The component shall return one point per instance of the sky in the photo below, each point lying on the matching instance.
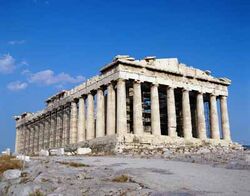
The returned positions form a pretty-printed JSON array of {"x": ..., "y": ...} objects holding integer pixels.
[{"x": 49, "y": 45}]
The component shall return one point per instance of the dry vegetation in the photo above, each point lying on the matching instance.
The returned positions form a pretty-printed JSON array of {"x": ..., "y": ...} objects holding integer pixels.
[
  {"x": 36, "y": 193},
  {"x": 121, "y": 178},
  {"x": 73, "y": 164},
  {"x": 9, "y": 162}
]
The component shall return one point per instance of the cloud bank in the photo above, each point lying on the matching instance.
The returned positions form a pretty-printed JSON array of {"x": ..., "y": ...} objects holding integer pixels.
[
  {"x": 7, "y": 64},
  {"x": 16, "y": 42},
  {"x": 17, "y": 86},
  {"x": 48, "y": 77}
]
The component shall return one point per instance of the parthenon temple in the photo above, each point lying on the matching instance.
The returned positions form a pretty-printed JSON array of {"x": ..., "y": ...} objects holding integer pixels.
[{"x": 149, "y": 97}]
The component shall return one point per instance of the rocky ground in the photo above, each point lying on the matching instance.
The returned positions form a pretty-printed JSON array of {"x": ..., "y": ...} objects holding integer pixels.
[{"x": 145, "y": 173}]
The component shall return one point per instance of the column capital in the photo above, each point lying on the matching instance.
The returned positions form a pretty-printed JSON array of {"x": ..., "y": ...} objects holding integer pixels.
[
  {"x": 138, "y": 81},
  {"x": 154, "y": 84},
  {"x": 121, "y": 80},
  {"x": 200, "y": 92},
  {"x": 213, "y": 95},
  {"x": 223, "y": 97},
  {"x": 171, "y": 87},
  {"x": 185, "y": 89}
]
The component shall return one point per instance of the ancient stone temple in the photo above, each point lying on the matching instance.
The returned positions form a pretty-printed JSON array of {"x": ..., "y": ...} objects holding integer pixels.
[{"x": 153, "y": 100}]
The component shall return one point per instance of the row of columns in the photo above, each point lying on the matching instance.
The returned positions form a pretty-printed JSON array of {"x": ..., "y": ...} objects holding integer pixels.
[{"x": 83, "y": 125}]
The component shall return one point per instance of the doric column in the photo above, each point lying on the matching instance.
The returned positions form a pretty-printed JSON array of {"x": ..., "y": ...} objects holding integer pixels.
[
  {"x": 28, "y": 139},
  {"x": 25, "y": 139},
  {"x": 33, "y": 139},
  {"x": 110, "y": 110},
  {"x": 214, "y": 122},
  {"x": 155, "y": 110},
  {"x": 121, "y": 107},
  {"x": 47, "y": 135},
  {"x": 90, "y": 117},
  {"x": 73, "y": 122},
  {"x": 225, "y": 119},
  {"x": 17, "y": 139},
  {"x": 100, "y": 120},
  {"x": 81, "y": 121},
  {"x": 43, "y": 134},
  {"x": 52, "y": 130},
  {"x": 201, "y": 123},
  {"x": 137, "y": 109},
  {"x": 171, "y": 112},
  {"x": 187, "y": 124},
  {"x": 66, "y": 126},
  {"x": 37, "y": 131},
  {"x": 59, "y": 133}
]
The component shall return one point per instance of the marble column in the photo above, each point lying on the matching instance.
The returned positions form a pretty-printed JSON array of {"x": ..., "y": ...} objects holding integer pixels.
[
  {"x": 121, "y": 107},
  {"x": 59, "y": 128},
  {"x": 186, "y": 111},
  {"x": 155, "y": 110},
  {"x": 33, "y": 139},
  {"x": 25, "y": 140},
  {"x": 110, "y": 110},
  {"x": 225, "y": 119},
  {"x": 29, "y": 138},
  {"x": 17, "y": 139},
  {"x": 43, "y": 134},
  {"x": 66, "y": 125},
  {"x": 100, "y": 120},
  {"x": 81, "y": 121},
  {"x": 73, "y": 122},
  {"x": 37, "y": 132},
  {"x": 47, "y": 135},
  {"x": 137, "y": 109},
  {"x": 90, "y": 134},
  {"x": 201, "y": 123},
  {"x": 51, "y": 135},
  {"x": 171, "y": 112},
  {"x": 214, "y": 122}
]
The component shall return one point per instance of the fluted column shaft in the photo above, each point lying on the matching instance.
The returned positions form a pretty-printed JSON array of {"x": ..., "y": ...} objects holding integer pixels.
[
  {"x": 137, "y": 109},
  {"x": 81, "y": 121},
  {"x": 43, "y": 135},
  {"x": 155, "y": 110},
  {"x": 48, "y": 131},
  {"x": 187, "y": 124},
  {"x": 33, "y": 139},
  {"x": 73, "y": 123},
  {"x": 28, "y": 142},
  {"x": 225, "y": 119},
  {"x": 110, "y": 110},
  {"x": 59, "y": 128},
  {"x": 171, "y": 112},
  {"x": 37, "y": 137},
  {"x": 52, "y": 131},
  {"x": 17, "y": 142},
  {"x": 90, "y": 117},
  {"x": 66, "y": 126},
  {"x": 201, "y": 123},
  {"x": 100, "y": 120},
  {"x": 121, "y": 107},
  {"x": 25, "y": 139},
  {"x": 214, "y": 122}
]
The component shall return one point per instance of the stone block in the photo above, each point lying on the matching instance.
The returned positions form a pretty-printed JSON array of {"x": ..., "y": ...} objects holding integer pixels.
[
  {"x": 56, "y": 152},
  {"x": 23, "y": 158},
  {"x": 12, "y": 174},
  {"x": 44, "y": 153},
  {"x": 82, "y": 151}
]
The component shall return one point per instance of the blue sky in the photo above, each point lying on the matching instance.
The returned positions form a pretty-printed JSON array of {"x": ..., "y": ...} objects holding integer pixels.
[{"x": 49, "y": 45}]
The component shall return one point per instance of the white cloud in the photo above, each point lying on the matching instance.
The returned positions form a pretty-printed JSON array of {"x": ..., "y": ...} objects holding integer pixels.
[
  {"x": 17, "y": 86},
  {"x": 48, "y": 77},
  {"x": 16, "y": 42},
  {"x": 7, "y": 64}
]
